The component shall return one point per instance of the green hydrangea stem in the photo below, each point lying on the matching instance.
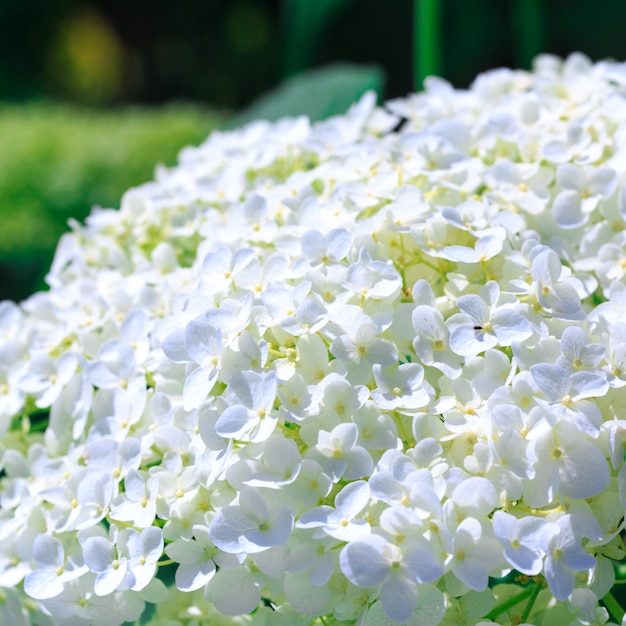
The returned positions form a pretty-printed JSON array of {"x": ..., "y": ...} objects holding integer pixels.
[
  {"x": 426, "y": 40},
  {"x": 614, "y": 607},
  {"x": 531, "y": 601},
  {"x": 529, "y": 30},
  {"x": 511, "y": 602}
]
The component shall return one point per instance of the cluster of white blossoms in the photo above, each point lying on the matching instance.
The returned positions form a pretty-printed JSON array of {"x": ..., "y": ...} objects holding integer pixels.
[{"x": 365, "y": 371}]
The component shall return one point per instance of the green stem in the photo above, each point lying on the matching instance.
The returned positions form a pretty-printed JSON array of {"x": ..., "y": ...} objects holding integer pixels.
[
  {"x": 614, "y": 607},
  {"x": 511, "y": 602},
  {"x": 531, "y": 601},
  {"x": 426, "y": 40},
  {"x": 404, "y": 435},
  {"x": 529, "y": 30}
]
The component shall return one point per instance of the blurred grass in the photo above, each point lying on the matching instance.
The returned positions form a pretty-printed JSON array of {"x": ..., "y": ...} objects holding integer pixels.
[{"x": 59, "y": 160}]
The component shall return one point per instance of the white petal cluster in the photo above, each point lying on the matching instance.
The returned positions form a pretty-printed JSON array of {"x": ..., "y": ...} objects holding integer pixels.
[{"x": 348, "y": 370}]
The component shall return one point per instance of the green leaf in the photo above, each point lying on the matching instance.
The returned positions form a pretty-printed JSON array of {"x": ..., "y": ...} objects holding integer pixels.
[
  {"x": 318, "y": 94},
  {"x": 613, "y": 552},
  {"x": 603, "y": 576},
  {"x": 303, "y": 596},
  {"x": 304, "y": 22},
  {"x": 454, "y": 586},
  {"x": 155, "y": 592},
  {"x": 477, "y": 604},
  {"x": 431, "y": 606}
]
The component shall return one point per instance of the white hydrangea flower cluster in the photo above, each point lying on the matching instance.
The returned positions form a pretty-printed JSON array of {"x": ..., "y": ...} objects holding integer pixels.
[{"x": 335, "y": 373}]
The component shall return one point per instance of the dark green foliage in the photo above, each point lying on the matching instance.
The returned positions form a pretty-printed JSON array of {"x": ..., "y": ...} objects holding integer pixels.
[{"x": 304, "y": 24}]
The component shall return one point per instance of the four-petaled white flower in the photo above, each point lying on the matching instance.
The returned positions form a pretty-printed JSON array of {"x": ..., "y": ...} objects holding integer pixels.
[
  {"x": 250, "y": 526},
  {"x": 339, "y": 522},
  {"x": 374, "y": 561}
]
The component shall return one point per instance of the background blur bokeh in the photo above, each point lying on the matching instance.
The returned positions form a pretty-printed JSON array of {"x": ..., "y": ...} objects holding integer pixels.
[{"x": 95, "y": 93}]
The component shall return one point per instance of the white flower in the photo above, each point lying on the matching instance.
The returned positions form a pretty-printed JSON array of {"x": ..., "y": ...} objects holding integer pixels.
[
  {"x": 339, "y": 522},
  {"x": 557, "y": 296},
  {"x": 48, "y": 580},
  {"x": 138, "y": 502},
  {"x": 339, "y": 454},
  {"x": 101, "y": 557},
  {"x": 583, "y": 188},
  {"x": 201, "y": 343},
  {"x": 196, "y": 559},
  {"x": 523, "y": 540},
  {"x": 404, "y": 389},
  {"x": 222, "y": 268},
  {"x": 126, "y": 562},
  {"x": 585, "y": 604},
  {"x": 567, "y": 395},
  {"x": 319, "y": 249},
  {"x": 252, "y": 416},
  {"x": 279, "y": 464},
  {"x": 431, "y": 343},
  {"x": 475, "y": 554},
  {"x": 355, "y": 370},
  {"x": 11, "y": 609},
  {"x": 566, "y": 462},
  {"x": 482, "y": 325},
  {"x": 564, "y": 556},
  {"x": 318, "y": 561},
  {"x": 360, "y": 349},
  {"x": 578, "y": 351},
  {"x": 78, "y": 604},
  {"x": 250, "y": 526},
  {"x": 47, "y": 379},
  {"x": 235, "y": 591},
  {"x": 372, "y": 279},
  {"x": 310, "y": 316},
  {"x": 373, "y": 561},
  {"x": 116, "y": 366}
]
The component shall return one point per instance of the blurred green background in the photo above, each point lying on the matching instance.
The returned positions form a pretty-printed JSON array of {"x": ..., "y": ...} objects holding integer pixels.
[{"x": 93, "y": 94}]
